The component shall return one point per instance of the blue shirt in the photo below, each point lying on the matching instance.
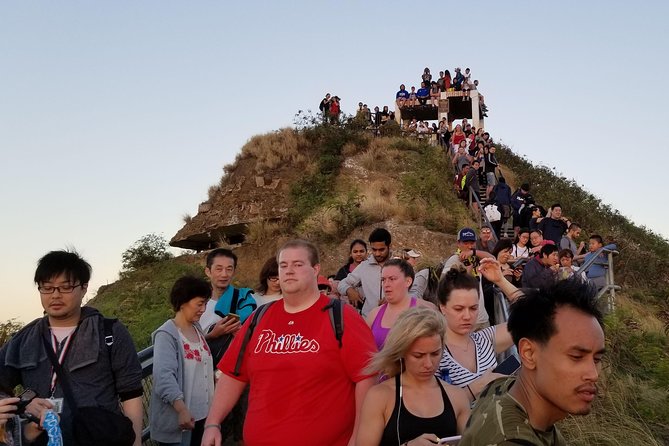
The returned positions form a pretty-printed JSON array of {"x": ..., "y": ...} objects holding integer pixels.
[
  {"x": 402, "y": 94},
  {"x": 423, "y": 93},
  {"x": 598, "y": 268}
]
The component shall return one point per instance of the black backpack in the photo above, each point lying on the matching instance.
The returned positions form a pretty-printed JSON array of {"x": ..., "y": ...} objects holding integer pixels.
[
  {"x": 335, "y": 308},
  {"x": 218, "y": 346}
]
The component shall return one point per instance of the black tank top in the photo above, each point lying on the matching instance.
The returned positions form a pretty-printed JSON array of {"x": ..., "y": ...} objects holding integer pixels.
[{"x": 411, "y": 426}]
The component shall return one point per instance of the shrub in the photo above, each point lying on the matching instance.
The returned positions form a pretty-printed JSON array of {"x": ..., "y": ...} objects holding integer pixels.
[
  {"x": 150, "y": 249},
  {"x": 8, "y": 329}
]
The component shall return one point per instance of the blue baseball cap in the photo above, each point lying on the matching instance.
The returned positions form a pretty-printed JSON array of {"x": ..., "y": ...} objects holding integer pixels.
[{"x": 466, "y": 235}]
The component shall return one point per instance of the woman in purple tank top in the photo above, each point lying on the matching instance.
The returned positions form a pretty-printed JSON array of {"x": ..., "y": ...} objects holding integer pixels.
[{"x": 396, "y": 278}]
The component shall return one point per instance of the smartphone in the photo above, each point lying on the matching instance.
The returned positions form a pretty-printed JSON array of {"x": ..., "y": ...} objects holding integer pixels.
[
  {"x": 519, "y": 263},
  {"x": 231, "y": 315},
  {"x": 25, "y": 398},
  {"x": 450, "y": 441},
  {"x": 508, "y": 366}
]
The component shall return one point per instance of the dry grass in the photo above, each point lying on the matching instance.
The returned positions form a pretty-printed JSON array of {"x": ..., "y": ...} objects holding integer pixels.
[
  {"x": 379, "y": 201},
  {"x": 613, "y": 420},
  {"x": 261, "y": 232},
  {"x": 187, "y": 218},
  {"x": 321, "y": 225},
  {"x": 380, "y": 157},
  {"x": 282, "y": 147},
  {"x": 633, "y": 405},
  {"x": 213, "y": 191}
]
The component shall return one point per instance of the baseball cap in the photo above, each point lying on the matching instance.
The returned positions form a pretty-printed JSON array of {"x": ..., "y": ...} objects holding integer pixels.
[
  {"x": 413, "y": 253},
  {"x": 466, "y": 235},
  {"x": 323, "y": 282}
]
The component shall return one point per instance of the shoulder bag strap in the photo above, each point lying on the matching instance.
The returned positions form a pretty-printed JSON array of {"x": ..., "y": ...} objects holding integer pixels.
[
  {"x": 247, "y": 336},
  {"x": 62, "y": 375}
]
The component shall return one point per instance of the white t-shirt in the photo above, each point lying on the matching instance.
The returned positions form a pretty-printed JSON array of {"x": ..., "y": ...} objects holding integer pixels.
[{"x": 209, "y": 318}]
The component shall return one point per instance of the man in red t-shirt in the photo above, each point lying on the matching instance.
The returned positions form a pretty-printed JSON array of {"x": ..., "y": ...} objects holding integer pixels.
[{"x": 305, "y": 388}]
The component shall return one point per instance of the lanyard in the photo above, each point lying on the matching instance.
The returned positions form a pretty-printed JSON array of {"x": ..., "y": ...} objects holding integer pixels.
[{"x": 62, "y": 346}]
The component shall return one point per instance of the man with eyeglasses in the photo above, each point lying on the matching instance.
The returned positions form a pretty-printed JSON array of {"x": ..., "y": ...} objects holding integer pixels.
[{"x": 97, "y": 354}]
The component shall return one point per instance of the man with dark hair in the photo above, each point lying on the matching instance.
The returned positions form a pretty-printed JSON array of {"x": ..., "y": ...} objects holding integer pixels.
[
  {"x": 542, "y": 270},
  {"x": 368, "y": 273},
  {"x": 218, "y": 323},
  {"x": 554, "y": 225},
  {"x": 472, "y": 181},
  {"x": 519, "y": 200},
  {"x": 299, "y": 374},
  {"x": 423, "y": 94},
  {"x": 568, "y": 241},
  {"x": 324, "y": 106},
  {"x": 221, "y": 266},
  {"x": 97, "y": 355},
  {"x": 560, "y": 340}
]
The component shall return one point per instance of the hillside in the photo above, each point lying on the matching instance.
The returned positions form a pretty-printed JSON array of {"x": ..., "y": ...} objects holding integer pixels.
[{"x": 332, "y": 184}]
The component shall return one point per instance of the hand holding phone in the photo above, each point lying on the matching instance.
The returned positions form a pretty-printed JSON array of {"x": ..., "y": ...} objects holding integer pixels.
[{"x": 450, "y": 441}]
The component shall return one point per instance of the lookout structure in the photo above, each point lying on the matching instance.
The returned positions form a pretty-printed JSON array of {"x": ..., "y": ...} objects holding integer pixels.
[{"x": 452, "y": 106}]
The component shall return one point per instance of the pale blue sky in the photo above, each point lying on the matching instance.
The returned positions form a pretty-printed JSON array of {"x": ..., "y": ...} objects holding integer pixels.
[{"x": 116, "y": 117}]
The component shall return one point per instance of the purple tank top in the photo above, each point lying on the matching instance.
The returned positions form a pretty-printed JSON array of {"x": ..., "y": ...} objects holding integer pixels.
[{"x": 380, "y": 333}]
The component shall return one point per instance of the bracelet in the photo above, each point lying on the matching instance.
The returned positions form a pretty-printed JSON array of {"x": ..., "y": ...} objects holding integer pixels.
[{"x": 217, "y": 426}]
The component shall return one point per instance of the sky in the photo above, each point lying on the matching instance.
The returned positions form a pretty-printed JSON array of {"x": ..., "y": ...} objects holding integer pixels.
[{"x": 116, "y": 117}]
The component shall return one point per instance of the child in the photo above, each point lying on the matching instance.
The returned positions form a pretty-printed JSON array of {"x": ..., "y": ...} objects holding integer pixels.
[{"x": 596, "y": 273}]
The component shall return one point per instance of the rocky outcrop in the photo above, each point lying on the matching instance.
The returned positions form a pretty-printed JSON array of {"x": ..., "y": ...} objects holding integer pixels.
[{"x": 243, "y": 197}]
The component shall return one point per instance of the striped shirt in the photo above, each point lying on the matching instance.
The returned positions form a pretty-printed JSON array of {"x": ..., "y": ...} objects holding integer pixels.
[{"x": 453, "y": 373}]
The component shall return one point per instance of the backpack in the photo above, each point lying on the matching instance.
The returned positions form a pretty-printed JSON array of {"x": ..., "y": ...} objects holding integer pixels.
[
  {"x": 218, "y": 346},
  {"x": 335, "y": 309}
]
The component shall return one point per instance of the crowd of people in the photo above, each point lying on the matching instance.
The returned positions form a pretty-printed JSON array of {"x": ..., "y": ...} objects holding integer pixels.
[
  {"x": 430, "y": 90},
  {"x": 401, "y": 353},
  {"x": 404, "y": 353}
]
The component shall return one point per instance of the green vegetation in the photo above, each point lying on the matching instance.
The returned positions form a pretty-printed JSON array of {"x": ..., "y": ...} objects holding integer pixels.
[
  {"x": 314, "y": 189},
  {"x": 644, "y": 259},
  {"x": 633, "y": 406},
  {"x": 409, "y": 181},
  {"x": 426, "y": 188},
  {"x": 140, "y": 298},
  {"x": 8, "y": 329},
  {"x": 150, "y": 249}
]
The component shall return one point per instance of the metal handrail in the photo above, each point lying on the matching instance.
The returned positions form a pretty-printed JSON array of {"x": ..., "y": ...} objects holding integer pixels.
[
  {"x": 610, "y": 286},
  {"x": 145, "y": 357},
  {"x": 483, "y": 214},
  {"x": 501, "y": 317}
]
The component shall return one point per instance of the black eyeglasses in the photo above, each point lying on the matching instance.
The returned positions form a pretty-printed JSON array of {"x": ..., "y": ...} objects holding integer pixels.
[{"x": 63, "y": 289}]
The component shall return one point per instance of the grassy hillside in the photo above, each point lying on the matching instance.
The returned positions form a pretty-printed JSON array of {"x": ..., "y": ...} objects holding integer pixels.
[
  {"x": 349, "y": 182},
  {"x": 141, "y": 300}
]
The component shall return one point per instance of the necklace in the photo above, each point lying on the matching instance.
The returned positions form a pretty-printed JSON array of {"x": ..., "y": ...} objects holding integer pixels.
[{"x": 464, "y": 349}]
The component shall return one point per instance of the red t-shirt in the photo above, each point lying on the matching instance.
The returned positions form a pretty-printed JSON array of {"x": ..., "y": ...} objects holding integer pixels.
[{"x": 302, "y": 384}]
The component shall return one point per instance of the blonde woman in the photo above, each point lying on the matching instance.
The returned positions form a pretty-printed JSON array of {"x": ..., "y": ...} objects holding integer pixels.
[{"x": 412, "y": 407}]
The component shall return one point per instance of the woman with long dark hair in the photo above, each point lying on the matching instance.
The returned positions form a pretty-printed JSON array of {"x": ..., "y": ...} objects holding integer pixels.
[{"x": 469, "y": 356}]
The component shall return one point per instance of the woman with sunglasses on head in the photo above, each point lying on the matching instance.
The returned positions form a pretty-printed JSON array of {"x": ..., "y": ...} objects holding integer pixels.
[
  {"x": 269, "y": 289},
  {"x": 469, "y": 356},
  {"x": 412, "y": 407}
]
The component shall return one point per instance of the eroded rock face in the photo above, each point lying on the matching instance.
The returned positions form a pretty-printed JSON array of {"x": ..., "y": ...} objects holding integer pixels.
[{"x": 242, "y": 198}]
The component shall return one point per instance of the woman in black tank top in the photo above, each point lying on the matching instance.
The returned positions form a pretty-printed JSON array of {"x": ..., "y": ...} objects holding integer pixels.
[{"x": 413, "y": 407}]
